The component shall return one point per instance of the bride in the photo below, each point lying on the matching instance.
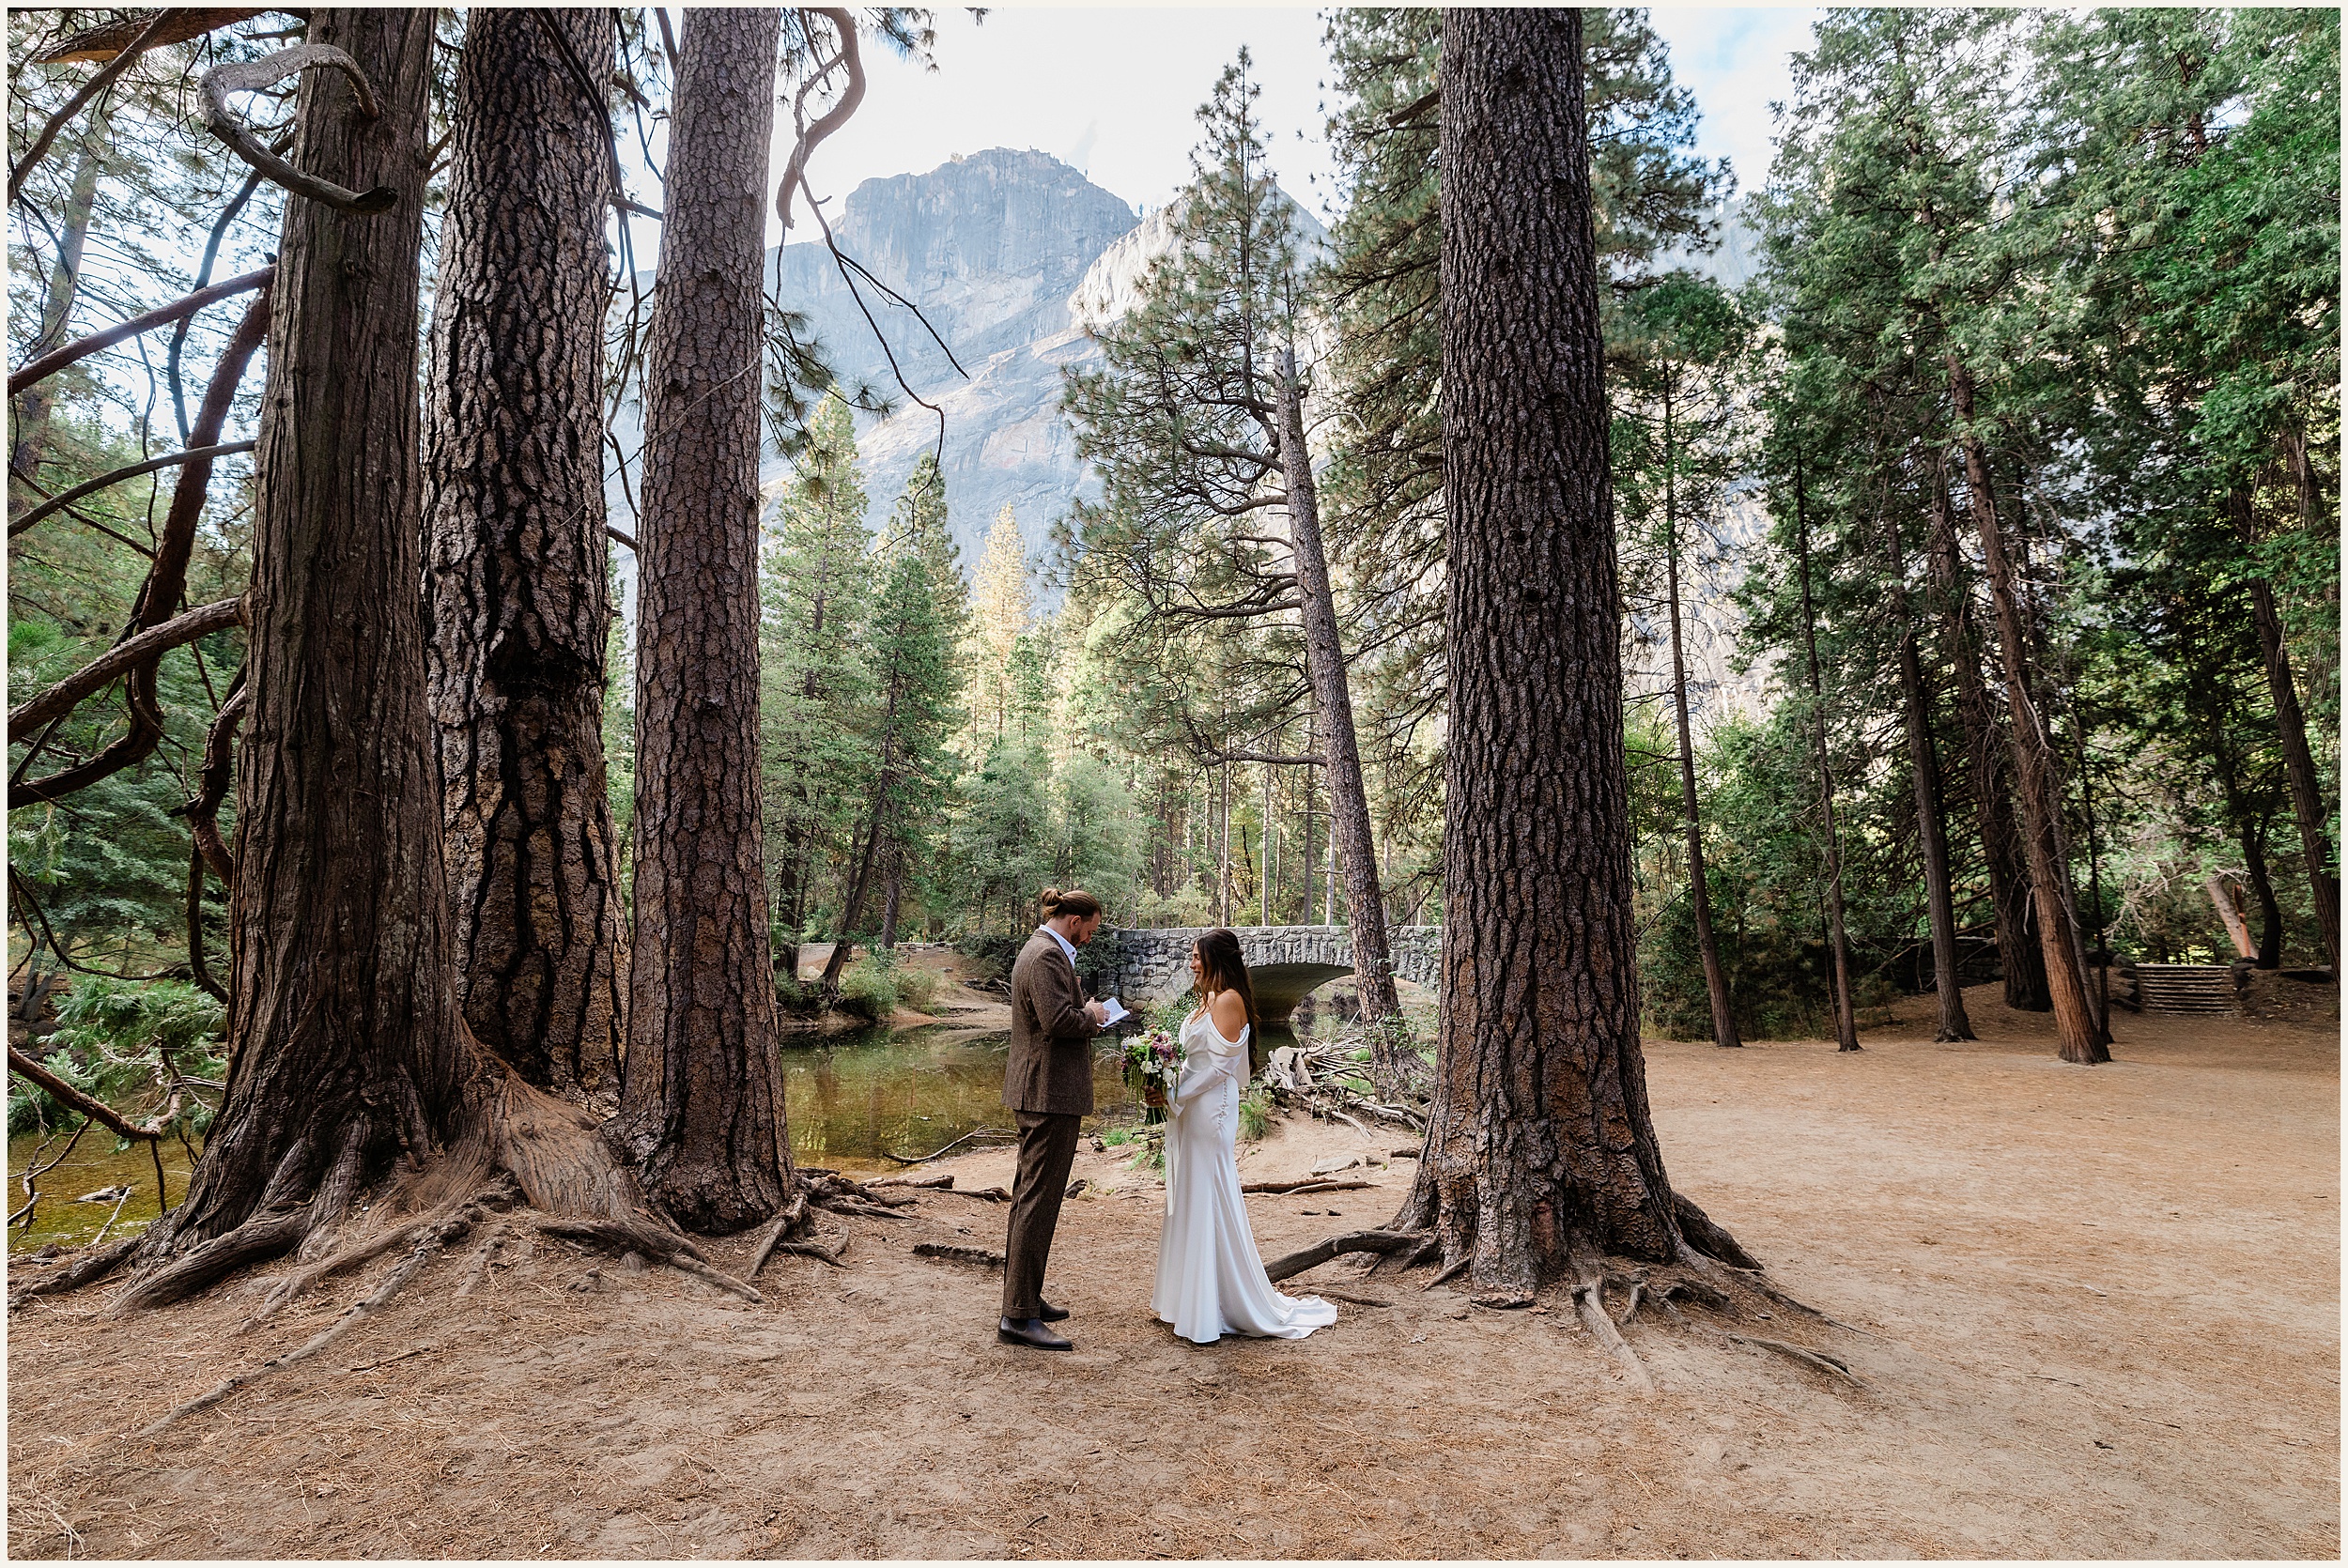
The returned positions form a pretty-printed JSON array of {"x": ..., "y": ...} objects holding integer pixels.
[{"x": 1211, "y": 1279}]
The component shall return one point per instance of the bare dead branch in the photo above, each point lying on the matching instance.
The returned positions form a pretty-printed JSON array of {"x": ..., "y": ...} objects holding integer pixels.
[
  {"x": 103, "y": 482},
  {"x": 162, "y": 316},
  {"x": 251, "y": 76},
  {"x": 1353, "y": 1241},
  {"x": 812, "y": 136},
  {"x": 60, "y": 699},
  {"x": 203, "y": 812},
  {"x": 97, "y": 84},
  {"x": 178, "y": 24},
  {"x": 66, "y": 1094}
]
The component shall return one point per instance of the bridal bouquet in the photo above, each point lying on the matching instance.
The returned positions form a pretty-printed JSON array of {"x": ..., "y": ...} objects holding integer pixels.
[{"x": 1153, "y": 1061}]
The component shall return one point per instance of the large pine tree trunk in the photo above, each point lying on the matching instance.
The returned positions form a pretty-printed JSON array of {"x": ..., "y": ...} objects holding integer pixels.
[
  {"x": 701, "y": 1091},
  {"x": 1391, "y": 1058},
  {"x": 1838, "y": 943},
  {"x": 1699, "y": 889},
  {"x": 518, "y": 608},
  {"x": 1924, "y": 764},
  {"x": 1540, "y": 1150},
  {"x": 346, "y": 1047},
  {"x": 1988, "y": 768},
  {"x": 2075, "y": 1024}
]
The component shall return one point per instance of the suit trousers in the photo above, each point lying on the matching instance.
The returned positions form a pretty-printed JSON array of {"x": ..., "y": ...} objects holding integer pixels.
[{"x": 1047, "y": 1150}]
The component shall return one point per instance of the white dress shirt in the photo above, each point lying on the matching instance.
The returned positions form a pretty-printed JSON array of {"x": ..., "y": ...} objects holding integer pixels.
[{"x": 1065, "y": 945}]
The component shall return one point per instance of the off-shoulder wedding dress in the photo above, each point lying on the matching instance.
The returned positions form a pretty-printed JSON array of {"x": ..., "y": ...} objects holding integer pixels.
[{"x": 1211, "y": 1279}]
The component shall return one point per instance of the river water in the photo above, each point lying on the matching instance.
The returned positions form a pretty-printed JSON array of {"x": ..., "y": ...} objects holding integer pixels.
[{"x": 854, "y": 1100}]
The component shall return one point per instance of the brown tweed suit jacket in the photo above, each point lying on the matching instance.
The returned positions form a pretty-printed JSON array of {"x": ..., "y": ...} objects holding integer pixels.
[{"x": 1050, "y": 1070}]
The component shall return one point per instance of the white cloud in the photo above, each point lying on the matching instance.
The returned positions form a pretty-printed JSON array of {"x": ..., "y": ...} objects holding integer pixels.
[
  {"x": 1115, "y": 87},
  {"x": 1736, "y": 60}
]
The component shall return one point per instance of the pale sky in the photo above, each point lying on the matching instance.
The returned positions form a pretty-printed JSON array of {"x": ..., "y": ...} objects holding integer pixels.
[{"x": 1113, "y": 91}]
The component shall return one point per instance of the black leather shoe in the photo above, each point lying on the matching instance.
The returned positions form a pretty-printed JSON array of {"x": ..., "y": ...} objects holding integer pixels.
[
  {"x": 1054, "y": 1315},
  {"x": 1031, "y": 1332}
]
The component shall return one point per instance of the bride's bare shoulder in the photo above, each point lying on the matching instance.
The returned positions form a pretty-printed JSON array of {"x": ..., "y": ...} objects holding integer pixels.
[{"x": 1230, "y": 1014}]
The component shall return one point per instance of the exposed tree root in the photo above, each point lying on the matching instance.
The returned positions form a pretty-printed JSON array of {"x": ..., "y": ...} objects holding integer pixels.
[
  {"x": 93, "y": 1264},
  {"x": 806, "y": 1248},
  {"x": 981, "y": 1255},
  {"x": 271, "y": 1233},
  {"x": 1832, "y": 1365},
  {"x": 1451, "y": 1270},
  {"x": 1589, "y": 1295},
  {"x": 793, "y": 1217},
  {"x": 426, "y": 1251},
  {"x": 830, "y": 1190},
  {"x": 621, "y": 1237},
  {"x": 477, "y": 1266},
  {"x": 501, "y": 1194},
  {"x": 1760, "y": 1285},
  {"x": 1699, "y": 1231}
]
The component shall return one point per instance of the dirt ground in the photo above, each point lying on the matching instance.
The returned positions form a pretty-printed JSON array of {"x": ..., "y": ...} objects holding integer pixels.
[{"x": 2101, "y": 1311}]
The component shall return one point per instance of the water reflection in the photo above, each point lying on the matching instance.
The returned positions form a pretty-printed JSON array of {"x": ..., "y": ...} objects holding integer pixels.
[
  {"x": 94, "y": 1166},
  {"x": 857, "y": 1099},
  {"x": 853, "y": 1101}
]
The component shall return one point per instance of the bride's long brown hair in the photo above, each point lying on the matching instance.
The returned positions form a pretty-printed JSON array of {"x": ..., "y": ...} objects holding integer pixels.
[{"x": 1223, "y": 968}]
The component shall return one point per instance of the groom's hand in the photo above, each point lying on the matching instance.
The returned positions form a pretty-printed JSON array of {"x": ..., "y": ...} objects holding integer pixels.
[{"x": 1099, "y": 1014}]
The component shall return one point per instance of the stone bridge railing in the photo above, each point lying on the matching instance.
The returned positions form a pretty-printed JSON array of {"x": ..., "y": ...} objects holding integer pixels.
[{"x": 1284, "y": 962}]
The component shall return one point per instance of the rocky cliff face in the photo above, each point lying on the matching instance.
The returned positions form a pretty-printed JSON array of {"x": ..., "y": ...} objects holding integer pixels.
[
  {"x": 990, "y": 247},
  {"x": 1011, "y": 257}
]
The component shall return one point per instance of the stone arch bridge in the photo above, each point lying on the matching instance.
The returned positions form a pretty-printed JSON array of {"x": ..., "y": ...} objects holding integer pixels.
[{"x": 1285, "y": 964}]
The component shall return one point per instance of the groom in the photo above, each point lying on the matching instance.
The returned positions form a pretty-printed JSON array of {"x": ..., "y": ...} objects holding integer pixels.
[{"x": 1049, "y": 1081}]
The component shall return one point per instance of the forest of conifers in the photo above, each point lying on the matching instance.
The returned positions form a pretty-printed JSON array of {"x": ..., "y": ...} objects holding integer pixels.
[
  {"x": 1978, "y": 552},
  {"x": 2065, "y": 285}
]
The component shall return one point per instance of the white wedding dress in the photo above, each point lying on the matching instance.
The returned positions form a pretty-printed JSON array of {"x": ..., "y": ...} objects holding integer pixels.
[{"x": 1211, "y": 1279}]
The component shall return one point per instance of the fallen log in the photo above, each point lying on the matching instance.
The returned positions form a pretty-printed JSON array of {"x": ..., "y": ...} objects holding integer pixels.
[
  {"x": 980, "y": 1256},
  {"x": 1386, "y": 1241}
]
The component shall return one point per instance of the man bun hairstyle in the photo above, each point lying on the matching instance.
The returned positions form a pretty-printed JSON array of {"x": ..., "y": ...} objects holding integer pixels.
[{"x": 1076, "y": 902}]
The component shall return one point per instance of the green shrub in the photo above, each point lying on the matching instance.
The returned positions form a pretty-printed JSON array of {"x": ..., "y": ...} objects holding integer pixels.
[
  {"x": 991, "y": 954},
  {"x": 1255, "y": 1113},
  {"x": 109, "y": 1043},
  {"x": 878, "y": 987}
]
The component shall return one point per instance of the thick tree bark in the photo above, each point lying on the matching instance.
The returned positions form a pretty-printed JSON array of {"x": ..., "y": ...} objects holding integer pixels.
[
  {"x": 1989, "y": 768},
  {"x": 346, "y": 1047},
  {"x": 702, "y": 1095},
  {"x": 1540, "y": 1148},
  {"x": 2033, "y": 762},
  {"x": 2290, "y": 728},
  {"x": 1845, "y": 1015},
  {"x": 1924, "y": 764},
  {"x": 1699, "y": 890},
  {"x": 516, "y": 602},
  {"x": 1391, "y": 1059}
]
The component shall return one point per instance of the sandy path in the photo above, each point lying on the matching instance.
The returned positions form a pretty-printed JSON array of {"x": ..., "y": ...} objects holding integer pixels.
[{"x": 2106, "y": 1302}]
